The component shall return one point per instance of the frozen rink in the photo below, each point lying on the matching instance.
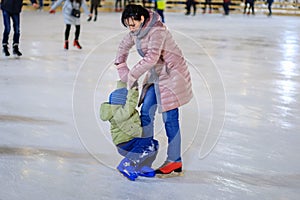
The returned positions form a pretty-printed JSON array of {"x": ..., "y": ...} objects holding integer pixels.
[{"x": 240, "y": 133}]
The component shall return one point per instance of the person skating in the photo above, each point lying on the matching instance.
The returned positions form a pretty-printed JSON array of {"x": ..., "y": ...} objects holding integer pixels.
[
  {"x": 69, "y": 19},
  {"x": 11, "y": 10},
  {"x": 94, "y": 9}
]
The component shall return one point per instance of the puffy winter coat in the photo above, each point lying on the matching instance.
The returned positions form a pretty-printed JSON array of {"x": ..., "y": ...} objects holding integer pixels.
[
  {"x": 162, "y": 60},
  {"x": 125, "y": 120},
  {"x": 67, "y": 9}
]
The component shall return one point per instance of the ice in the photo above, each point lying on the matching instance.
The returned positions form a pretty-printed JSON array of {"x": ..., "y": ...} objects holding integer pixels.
[{"x": 240, "y": 133}]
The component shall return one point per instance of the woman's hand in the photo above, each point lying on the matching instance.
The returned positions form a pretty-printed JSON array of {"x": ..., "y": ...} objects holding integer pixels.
[{"x": 123, "y": 71}]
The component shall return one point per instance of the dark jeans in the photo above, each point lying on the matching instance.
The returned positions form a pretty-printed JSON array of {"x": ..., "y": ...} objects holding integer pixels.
[
  {"x": 16, "y": 24},
  {"x": 142, "y": 151}
]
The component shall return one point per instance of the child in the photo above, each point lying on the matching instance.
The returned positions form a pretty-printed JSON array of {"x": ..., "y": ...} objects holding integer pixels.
[
  {"x": 69, "y": 19},
  {"x": 126, "y": 132}
]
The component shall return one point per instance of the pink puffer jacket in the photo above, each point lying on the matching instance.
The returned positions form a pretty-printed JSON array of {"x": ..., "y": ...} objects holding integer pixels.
[{"x": 162, "y": 60}]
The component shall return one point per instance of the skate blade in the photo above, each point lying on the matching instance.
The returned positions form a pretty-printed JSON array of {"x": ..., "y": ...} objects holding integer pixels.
[{"x": 170, "y": 175}]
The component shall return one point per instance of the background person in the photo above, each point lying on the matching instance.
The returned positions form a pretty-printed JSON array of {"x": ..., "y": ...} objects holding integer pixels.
[
  {"x": 71, "y": 20},
  {"x": 11, "y": 10}
]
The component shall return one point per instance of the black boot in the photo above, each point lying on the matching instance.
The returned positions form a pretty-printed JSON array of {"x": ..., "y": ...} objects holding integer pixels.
[
  {"x": 16, "y": 50},
  {"x": 95, "y": 18},
  {"x": 89, "y": 19},
  {"x": 5, "y": 50}
]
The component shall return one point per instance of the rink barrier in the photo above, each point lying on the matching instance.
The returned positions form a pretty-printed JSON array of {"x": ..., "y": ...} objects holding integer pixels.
[{"x": 279, "y": 7}]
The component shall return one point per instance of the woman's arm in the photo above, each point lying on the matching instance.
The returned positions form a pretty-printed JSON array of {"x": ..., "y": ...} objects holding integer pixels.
[
  {"x": 123, "y": 51},
  {"x": 151, "y": 57}
]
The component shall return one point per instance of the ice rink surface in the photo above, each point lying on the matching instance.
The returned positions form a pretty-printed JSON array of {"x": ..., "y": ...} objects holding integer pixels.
[{"x": 240, "y": 133}]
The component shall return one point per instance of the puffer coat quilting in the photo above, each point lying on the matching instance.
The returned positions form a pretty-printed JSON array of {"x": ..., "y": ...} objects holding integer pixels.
[{"x": 160, "y": 52}]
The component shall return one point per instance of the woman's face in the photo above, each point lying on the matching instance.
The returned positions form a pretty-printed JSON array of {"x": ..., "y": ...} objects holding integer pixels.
[{"x": 134, "y": 25}]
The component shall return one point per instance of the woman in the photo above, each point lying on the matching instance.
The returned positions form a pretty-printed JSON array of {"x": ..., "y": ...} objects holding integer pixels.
[
  {"x": 69, "y": 19},
  {"x": 167, "y": 84}
]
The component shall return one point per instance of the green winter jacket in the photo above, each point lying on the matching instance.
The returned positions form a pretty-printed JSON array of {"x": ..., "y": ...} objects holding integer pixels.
[{"x": 125, "y": 120}]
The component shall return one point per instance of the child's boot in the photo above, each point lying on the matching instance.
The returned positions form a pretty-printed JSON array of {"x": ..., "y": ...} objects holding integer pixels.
[
  {"x": 126, "y": 167},
  {"x": 66, "y": 45},
  {"x": 76, "y": 44},
  {"x": 16, "y": 50},
  {"x": 5, "y": 50},
  {"x": 95, "y": 18},
  {"x": 89, "y": 18},
  {"x": 146, "y": 171}
]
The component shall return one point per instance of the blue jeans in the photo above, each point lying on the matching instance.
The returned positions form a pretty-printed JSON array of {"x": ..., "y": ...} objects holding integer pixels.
[
  {"x": 16, "y": 25},
  {"x": 170, "y": 119}
]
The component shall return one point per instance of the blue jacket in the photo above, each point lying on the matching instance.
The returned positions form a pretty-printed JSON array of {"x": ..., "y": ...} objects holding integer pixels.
[{"x": 13, "y": 6}]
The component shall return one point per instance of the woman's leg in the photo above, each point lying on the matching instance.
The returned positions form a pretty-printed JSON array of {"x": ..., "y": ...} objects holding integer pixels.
[
  {"x": 67, "y": 31},
  {"x": 148, "y": 110},
  {"x": 171, "y": 120},
  {"x": 77, "y": 32}
]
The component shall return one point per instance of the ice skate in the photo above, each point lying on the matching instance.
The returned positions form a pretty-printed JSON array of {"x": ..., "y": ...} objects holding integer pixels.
[
  {"x": 76, "y": 44},
  {"x": 146, "y": 171},
  {"x": 16, "y": 50},
  {"x": 169, "y": 169},
  {"x": 127, "y": 169},
  {"x": 5, "y": 50}
]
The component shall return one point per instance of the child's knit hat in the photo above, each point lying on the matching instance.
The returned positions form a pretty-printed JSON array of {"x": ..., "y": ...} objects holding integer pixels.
[{"x": 118, "y": 96}]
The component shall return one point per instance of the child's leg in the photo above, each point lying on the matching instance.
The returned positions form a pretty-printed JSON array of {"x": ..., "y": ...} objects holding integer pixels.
[{"x": 152, "y": 153}]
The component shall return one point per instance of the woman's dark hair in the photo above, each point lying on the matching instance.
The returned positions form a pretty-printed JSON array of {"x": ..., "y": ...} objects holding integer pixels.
[{"x": 135, "y": 12}]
